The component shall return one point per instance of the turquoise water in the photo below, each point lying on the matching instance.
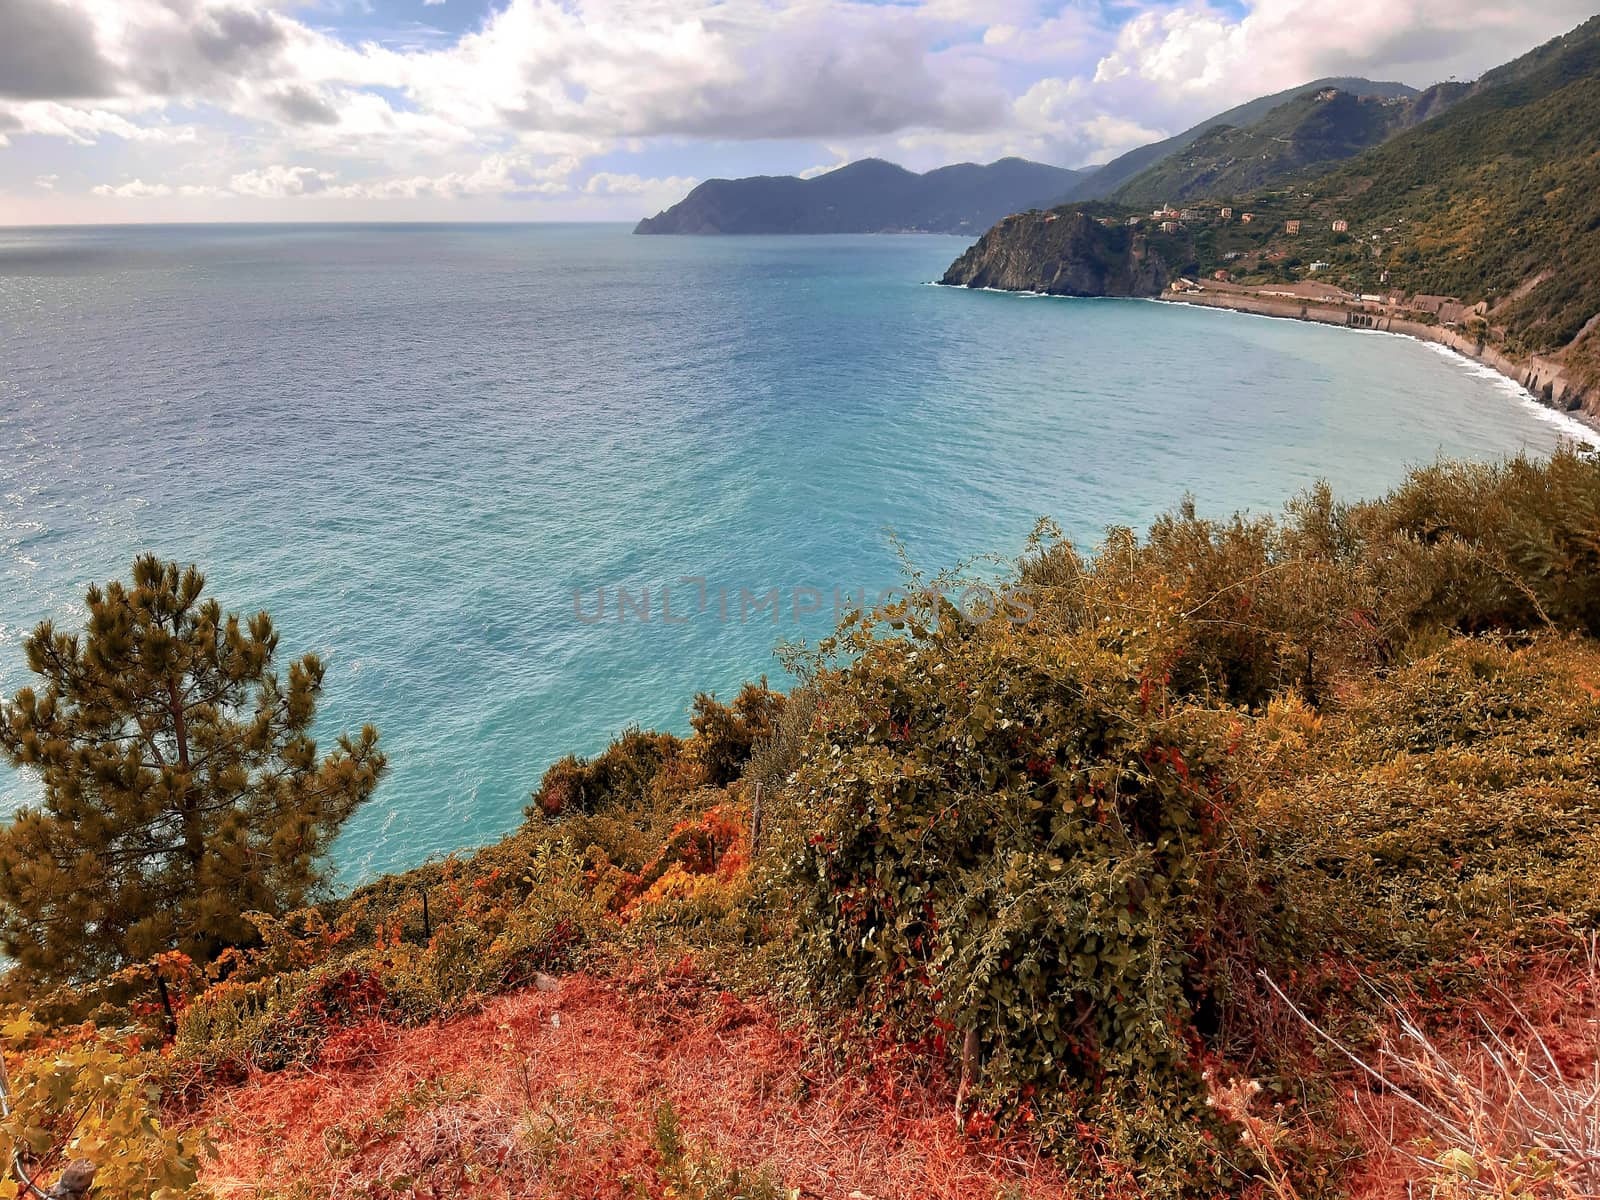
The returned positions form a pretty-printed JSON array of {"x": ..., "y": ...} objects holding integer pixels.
[{"x": 413, "y": 444}]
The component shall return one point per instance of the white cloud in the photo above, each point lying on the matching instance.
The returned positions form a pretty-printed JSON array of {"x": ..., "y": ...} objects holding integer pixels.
[
  {"x": 518, "y": 104},
  {"x": 278, "y": 181},
  {"x": 1064, "y": 120},
  {"x": 46, "y": 182},
  {"x": 823, "y": 168},
  {"x": 138, "y": 189},
  {"x": 1193, "y": 51},
  {"x": 134, "y": 189},
  {"x": 86, "y": 126},
  {"x": 494, "y": 175},
  {"x": 609, "y": 184},
  {"x": 607, "y": 68}
]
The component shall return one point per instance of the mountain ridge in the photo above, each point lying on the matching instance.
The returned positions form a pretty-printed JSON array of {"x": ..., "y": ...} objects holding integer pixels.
[
  {"x": 1307, "y": 134},
  {"x": 872, "y": 195},
  {"x": 1125, "y": 167},
  {"x": 869, "y": 195}
]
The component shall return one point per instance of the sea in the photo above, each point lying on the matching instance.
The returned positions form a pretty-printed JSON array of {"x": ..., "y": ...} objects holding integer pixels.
[{"x": 525, "y": 485}]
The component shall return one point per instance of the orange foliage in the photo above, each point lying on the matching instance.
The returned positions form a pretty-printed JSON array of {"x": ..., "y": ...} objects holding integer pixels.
[{"x": 701, "y": 851}]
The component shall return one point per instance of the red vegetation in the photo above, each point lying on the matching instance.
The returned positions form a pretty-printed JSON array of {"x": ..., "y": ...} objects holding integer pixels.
[
  {"x": 1546, "y": 1018},
  {"x": 708, "y": 847},
  {"x": 555, "y": 1094}
]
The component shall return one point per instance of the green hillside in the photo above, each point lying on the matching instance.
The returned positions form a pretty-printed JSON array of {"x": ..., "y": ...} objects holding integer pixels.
[
  {"x": 1492, "y": 200},
  {"x": 1310, "y": 132},
  {"x": 1496, "y": 199},
  {"x": 1293, "y": 135},
  {"x": 1119, "y": 171}
]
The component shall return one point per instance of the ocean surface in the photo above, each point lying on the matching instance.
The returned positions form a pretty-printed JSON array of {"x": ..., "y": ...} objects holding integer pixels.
[{"x": 414, "y": 445}]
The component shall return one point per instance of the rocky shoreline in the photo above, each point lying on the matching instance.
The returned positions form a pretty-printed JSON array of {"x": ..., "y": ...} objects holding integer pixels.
[
  {"x": 1547, "y": 382},
  {"x": 1067, "y": 252}
]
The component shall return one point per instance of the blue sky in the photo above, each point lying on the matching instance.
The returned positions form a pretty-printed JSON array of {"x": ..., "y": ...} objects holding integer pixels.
[{"x": 160, "y": 110}]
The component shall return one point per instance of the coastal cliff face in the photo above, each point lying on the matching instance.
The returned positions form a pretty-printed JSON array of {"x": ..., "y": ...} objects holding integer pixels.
[{"x": 1071, "y": 254}]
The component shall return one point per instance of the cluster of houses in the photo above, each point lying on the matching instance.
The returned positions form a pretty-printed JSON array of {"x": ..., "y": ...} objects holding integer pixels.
[
  {"x": 1339, "y": 226},
  {"x": 1167, "y": 219},
  {"x": 1171, "y": 220},
  {"x": 1388, "y": 304},
  {"x": 1294, "y": 227}
]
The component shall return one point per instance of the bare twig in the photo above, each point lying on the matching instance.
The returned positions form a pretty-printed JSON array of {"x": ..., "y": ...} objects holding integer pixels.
[{"x": 1502, "y": 1118}]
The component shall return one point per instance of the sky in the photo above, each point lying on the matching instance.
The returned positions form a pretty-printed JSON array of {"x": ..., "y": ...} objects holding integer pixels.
[{"x": 372, "y": 110}]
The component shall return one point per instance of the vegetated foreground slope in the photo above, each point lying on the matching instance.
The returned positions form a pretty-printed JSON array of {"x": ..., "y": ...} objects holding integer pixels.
[
  {"x": 607, "y": 1088},
  {"x": 980, "y": 889}
]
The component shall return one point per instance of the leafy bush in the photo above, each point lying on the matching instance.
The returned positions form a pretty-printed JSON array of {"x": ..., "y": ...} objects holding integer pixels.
[
  {"x": 619, "y": 775},
  {"x": 1020, "y": 843},
  {"x": 775, "y": 757},
  {"x": 1472, "y": 547},
  {"x": 725, "y": 734},
  {"x": 1245, "y": 609},
  {"x": 88, "y": 1100},
  {"x": 278, "y": 1022},
  {"x": 643, "y": 765},
  {"x": 1449, "y": 813}
]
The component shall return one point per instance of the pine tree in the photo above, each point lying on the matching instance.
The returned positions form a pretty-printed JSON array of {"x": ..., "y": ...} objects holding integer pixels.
[{"x": 181, "y": 787}]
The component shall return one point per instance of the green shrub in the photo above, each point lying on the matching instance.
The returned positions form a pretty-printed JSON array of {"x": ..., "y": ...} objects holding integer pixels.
[
  {"x": 273, "y": 1023},
  {"x": 1021, "y": 836},
  {"x": 1508, "y": 546},
  {"x": 1449, "y": 815},
  {"x": 774, "y": 758},
  {"x": 725, "y": 734},
  {"x": 644, "y": 765},
  {"x": 620, "y": 775}
]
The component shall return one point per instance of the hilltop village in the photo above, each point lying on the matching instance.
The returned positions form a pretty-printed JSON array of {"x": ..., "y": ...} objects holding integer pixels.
[
  {"x": 1316, "y": 269},
  {"x": 1300, "y": 262}
]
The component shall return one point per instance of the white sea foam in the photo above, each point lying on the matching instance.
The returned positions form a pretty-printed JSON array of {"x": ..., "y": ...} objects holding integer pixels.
[
  {"x": 1578, "y": 431},
  {"x": 1026, "y": 295}
]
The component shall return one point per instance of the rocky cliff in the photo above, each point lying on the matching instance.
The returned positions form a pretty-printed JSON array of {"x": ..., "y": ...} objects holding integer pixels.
[{"x": 1069, "y": 253}]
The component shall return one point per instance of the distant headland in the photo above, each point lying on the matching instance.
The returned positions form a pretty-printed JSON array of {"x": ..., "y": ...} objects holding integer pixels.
[
  {"x": 868, "y": 196},
  {"x": 1470, "y": 222}
]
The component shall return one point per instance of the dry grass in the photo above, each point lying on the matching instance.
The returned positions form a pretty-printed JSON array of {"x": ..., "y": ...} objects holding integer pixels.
[
  {"x": 1504, "y": 1105},
  {"x": 556, "y": 1094}
]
